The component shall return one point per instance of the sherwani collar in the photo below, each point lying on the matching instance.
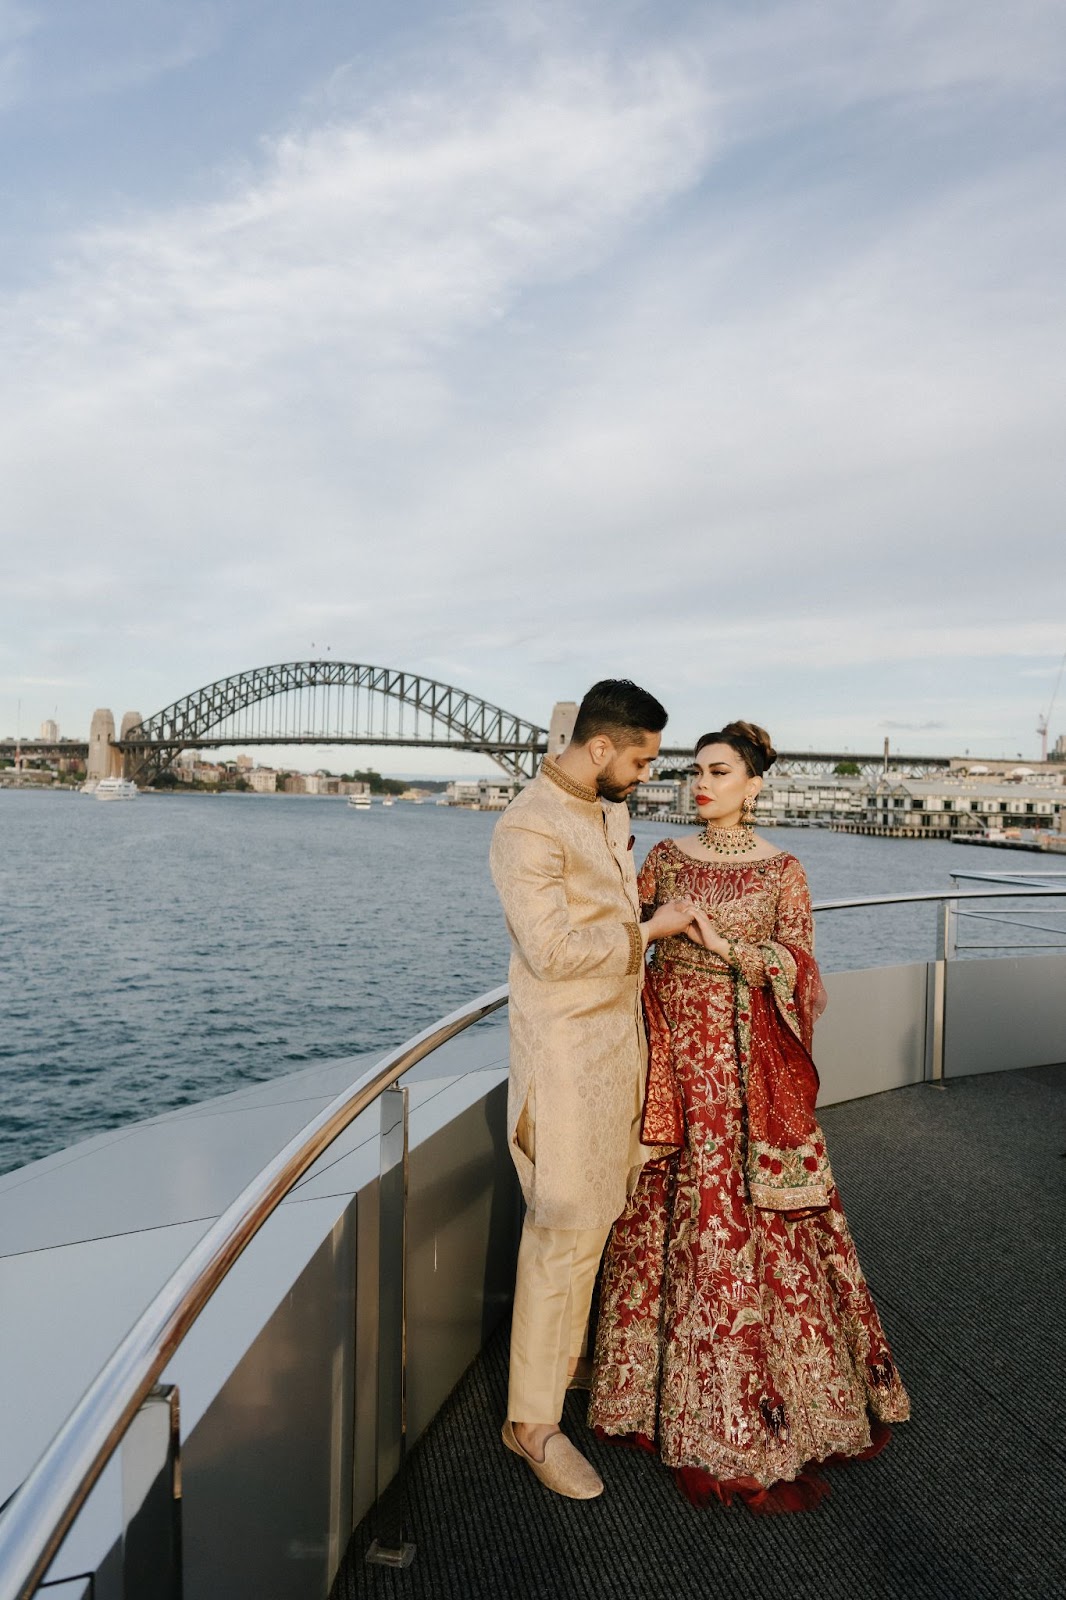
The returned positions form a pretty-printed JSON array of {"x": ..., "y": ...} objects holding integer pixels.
[{"x": 580, "y": 791}]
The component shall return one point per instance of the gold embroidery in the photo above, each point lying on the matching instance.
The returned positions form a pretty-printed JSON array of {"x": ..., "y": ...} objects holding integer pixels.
[
  {"x": 579, "y": 791},
  {"x": 636, "y": 948}
]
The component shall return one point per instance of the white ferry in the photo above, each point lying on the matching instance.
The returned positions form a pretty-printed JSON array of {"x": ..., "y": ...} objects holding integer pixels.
[
  {"x": 361, "y": 802},
  {"x": 116, "y": 789}
]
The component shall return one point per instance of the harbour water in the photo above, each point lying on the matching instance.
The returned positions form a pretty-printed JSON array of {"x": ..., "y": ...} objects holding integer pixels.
[{"x": 156, "y": 954}]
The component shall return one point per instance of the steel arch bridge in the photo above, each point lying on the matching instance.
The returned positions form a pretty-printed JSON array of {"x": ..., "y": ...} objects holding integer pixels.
[{"x": 331, "y": 702}]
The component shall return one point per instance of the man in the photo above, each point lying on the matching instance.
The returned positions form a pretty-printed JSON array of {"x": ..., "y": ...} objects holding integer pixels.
[{"x": 562, "y": 864}]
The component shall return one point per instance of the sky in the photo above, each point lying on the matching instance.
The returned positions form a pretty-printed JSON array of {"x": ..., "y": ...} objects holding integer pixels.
[{"x": 720, "y": 346}]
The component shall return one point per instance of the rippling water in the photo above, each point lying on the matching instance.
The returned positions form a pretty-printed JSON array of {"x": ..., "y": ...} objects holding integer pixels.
[{"x": 156, "y": 953}]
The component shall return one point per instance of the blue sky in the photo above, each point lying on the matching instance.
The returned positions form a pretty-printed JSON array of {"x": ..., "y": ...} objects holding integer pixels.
[{"x": 716, "y": 345}]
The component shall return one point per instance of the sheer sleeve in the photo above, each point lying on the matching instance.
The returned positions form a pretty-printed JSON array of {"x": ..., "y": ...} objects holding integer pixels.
[
  {"x": 795, "y": 923},
  {"x": 793, "y": 929}
]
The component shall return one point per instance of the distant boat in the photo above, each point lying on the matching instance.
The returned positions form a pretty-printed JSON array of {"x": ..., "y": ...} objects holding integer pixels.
[
  {"x": 361, "y": 802},
  {"x": 387, "y": 800},
  {"x": 116, "y": 789}
]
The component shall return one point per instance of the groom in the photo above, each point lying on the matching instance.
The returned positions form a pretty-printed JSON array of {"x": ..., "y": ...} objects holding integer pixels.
[{"x": 563, "y": 867}]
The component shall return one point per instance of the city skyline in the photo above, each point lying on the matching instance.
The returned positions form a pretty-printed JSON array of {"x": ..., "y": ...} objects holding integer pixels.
[{"x": 518, "y": 345}]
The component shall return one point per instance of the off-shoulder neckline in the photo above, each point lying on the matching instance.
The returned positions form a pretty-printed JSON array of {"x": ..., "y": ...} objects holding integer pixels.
[{"x": 744, "y": 861}]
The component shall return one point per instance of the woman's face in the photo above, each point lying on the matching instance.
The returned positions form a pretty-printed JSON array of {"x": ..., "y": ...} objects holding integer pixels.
[{"x": 720, "y": 782}]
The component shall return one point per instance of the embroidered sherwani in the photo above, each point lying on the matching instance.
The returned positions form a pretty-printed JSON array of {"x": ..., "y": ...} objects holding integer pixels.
[
  {"x": 562, "y": 864},
  {"x": 564, "y": 871}
]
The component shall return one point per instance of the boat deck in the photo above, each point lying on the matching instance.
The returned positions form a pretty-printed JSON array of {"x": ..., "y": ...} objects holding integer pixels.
[{"x": 956, "y": 1198}]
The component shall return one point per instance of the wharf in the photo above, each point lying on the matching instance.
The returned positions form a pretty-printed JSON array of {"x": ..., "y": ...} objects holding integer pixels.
[
  {"x": 956, "y": 1198},
  {"x": 1044, "y": 845},
  {"x": 871, "y": 830}
]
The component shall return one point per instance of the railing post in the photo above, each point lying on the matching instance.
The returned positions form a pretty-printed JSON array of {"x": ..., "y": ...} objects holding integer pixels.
[
  {"x": 392, "y": 1548},
  {"x": 946, "y": 949},
  {"x": 151, "y": 1499}
]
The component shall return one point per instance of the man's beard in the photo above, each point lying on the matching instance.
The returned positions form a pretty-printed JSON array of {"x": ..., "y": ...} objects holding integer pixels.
[{"x": 609, "y": 788}]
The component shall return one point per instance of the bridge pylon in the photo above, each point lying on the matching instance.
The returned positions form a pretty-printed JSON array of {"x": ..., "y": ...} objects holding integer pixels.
[{"x": 103, "y": 760}]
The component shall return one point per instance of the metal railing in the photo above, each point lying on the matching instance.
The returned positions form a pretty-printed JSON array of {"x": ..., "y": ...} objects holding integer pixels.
[
  {"x": 38, "y": 1516},
  {"x": 947, "y": 943},
  {"x": 40, "y": 1513},
  {"x": 1024, "y": 879}
]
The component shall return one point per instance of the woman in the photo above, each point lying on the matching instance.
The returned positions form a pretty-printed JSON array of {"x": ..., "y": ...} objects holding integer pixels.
[{"x": 736, "y": 1334}]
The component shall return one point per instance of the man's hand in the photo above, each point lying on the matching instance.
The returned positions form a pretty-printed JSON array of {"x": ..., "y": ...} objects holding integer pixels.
[{"x": 672, "y": 917}]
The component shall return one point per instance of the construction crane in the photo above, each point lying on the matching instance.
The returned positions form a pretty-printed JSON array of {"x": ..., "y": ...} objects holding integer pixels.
[{"x": 1044, "y": 722}]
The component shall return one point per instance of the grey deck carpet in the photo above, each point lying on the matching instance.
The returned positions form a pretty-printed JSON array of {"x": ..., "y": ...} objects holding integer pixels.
[{"x": 956, "y": 1199}]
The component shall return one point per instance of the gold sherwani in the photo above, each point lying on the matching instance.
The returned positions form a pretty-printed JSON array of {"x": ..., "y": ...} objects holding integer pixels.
[{"x": 564, "y": 871}]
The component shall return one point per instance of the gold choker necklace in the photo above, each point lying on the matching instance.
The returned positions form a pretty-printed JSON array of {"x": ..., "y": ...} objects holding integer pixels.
[{"x": 738, "y": 841}]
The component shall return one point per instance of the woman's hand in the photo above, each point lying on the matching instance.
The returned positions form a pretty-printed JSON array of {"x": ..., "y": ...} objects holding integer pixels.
[
  {"x": 703, "y": 932},
  {"x": 821, "y": 1000}
]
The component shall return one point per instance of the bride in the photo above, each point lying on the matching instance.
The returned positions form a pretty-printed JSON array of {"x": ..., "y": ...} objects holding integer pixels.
[{"x": 737, "y": 1338}]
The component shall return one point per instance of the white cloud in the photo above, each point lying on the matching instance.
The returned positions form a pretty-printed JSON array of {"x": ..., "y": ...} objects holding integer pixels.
[{"x": 570, "y": 358}]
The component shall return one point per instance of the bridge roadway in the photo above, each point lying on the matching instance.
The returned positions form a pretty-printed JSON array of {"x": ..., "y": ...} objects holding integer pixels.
[
  {"x": 813, "y": 762},
  {"x": 955, "y": 1197}
]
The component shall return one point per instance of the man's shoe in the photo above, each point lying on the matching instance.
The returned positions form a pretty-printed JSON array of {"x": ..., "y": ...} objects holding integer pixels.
[{"x": 564, "y": 1470}]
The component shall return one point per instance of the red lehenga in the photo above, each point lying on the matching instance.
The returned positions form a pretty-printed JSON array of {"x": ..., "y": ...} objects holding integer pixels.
[{"x": 736, "y": 1334}]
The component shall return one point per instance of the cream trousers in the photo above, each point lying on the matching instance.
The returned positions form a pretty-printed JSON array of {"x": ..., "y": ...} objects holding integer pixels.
[
  {"x": 549, "y": 1327},
  {"x": 552, "y": 1295}
]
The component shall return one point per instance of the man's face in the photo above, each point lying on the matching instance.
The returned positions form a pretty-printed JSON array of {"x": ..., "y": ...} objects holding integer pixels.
[{"x": 627, "y": 767}]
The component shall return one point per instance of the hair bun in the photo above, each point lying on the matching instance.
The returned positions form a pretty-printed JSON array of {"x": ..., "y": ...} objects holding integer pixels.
[{"x": 755, "y": 736}]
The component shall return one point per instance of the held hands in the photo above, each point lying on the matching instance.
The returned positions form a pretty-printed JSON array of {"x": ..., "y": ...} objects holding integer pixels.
[
  {"x": 702, "y": 931},
  {"x": 681, "y": 916},
  {"x": 674, "y": 916}
]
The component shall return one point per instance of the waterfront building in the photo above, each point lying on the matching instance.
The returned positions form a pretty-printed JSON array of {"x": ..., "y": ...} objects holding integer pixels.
[
  {"x": 482, "y": 794},
  {"x": 495, "y": 796},
  {"x": 938, "y": 807},
  {"x": 264, "y": 780},
  {"x": 321, "y": 783},
  {"x": 659, "y": 796},
  {"x": 792, "y": 799},
  {"x": 1000, "y": 767}
]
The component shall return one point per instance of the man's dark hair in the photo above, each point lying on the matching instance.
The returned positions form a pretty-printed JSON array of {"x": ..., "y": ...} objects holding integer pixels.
[{"x": 619, "y": 709}]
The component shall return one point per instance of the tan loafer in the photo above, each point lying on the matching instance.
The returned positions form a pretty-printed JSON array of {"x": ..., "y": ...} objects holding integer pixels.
[{"x": 564, "y": 1469}]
